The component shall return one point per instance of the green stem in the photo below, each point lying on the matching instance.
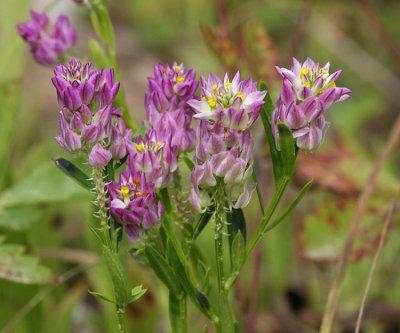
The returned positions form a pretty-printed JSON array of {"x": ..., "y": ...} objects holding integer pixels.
[
  {"x": 101, "y": 203},
  {"x": 225, "y": 324},
  {"x": 183, "y": 314},
  {"x": 261, "y": 229},
  {"x": 121, "y": 319}
]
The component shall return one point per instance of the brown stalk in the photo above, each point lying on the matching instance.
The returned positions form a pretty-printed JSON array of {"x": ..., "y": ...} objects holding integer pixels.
[
  {"x": 377, "y": 24},
  {"x": 382, "y": 236},
  {"x": 223, "y": 18},
  {"x": 362, "y": 202}
]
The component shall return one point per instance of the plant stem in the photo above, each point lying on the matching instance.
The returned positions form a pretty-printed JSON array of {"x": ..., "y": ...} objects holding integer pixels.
[
  {"x": 101, "y": 204},
  {"x": 183, "y": 314},
  {"x": 225, "y": 324},
  {"x": 121, "y": 318},
  {"x": 261, "y": 228}
]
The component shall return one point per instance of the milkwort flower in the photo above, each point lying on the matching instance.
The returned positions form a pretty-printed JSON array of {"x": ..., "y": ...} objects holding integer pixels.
[
  {"x": 237, "y": 104},
  {"x": 225, "y": 154},
  {"x": 166, "y": 103},
  {"x": 86, "y": 125},
  {"x": 308, "y": 90},
  {"x": 77, "y": 84},
  {"x": 133, "y": 202},
  {"x": 225, "y": 148},
  {"x": 47, "y": 42},
  {"x": 155, "y": 157}
]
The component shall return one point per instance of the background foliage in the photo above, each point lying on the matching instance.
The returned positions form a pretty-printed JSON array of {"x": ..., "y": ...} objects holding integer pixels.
[{"x": 44, "y": 215}]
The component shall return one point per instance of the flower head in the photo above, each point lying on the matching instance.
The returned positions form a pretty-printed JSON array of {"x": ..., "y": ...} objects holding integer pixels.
[
  {"x": 77, "y": 84},
  {"x": 101, "y": 133},
  {"x": 308, "y": 90},
  {"x": 155, "y": 157},
  {"x": 133, "y": 203},
  {"x": 169, "y": 90},
  {"x": 237, "y": 104},
  {"x": 47, "y": 42}
]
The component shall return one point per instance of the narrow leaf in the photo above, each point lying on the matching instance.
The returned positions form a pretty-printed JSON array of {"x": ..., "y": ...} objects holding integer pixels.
[
  {"x": 287, "y": 146},
  {"x": 291, "y": 206},
  {"x": 266, "y": 114},
  {"x": 203, "y": 299},
  {"x": 96, "y": 24},
  {"x": 239, "y": 222},
  {"x": 119, "y": 277},
  {"x": 98, "y": 55},
  {"x": 101, "y": 296},
  {"x": 183, "y": 278},
  {"x": 163, "y": 270},
  {"x": 74, "y": 172},
  {"x": 188, "y": 162},
  {"x": 202, "y": 221},
  {"x": 238, "y": 252},
  {"x": 174, "y": 314}
]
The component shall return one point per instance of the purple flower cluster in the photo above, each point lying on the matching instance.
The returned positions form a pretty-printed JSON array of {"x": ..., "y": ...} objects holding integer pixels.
[
  {"x": 77, "y": 84},
  {"x": 224, "y": 149},
  {"x": 133, "y": 202},
  {"x": 47, "y": 42},
  {"x": 155, "y": 157},
  {"x": 88, "y": 122},
  {"x": 308, "y": 91},
  {"x": 166, "y": 105}
]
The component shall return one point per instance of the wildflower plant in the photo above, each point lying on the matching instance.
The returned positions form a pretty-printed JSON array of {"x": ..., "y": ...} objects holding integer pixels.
[{"x": 137, "y": 177}]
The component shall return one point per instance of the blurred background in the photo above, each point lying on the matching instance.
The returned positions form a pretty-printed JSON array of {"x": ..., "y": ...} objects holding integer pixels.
[{"x": 283, "y": 288}]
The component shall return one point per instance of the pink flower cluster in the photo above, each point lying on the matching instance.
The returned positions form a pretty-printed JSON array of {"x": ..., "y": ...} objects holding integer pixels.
[{"x": 224, "y": 149}]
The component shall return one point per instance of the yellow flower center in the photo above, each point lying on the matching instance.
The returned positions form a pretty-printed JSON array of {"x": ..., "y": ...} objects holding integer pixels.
[
  {"x": 212, "y": 102},
  {"x": 306, "y": 84},
  {"x": 125, "y": 191},
  {"x": 203, "y": 98},
  {"x": 240, "y": 95},
  {"x": 303, "y": 71},
  {"x": 228, "y": 84},
  {"x": 177, "y": 68},
  {"x": 180, "y": 79},
  {"x": 159, "y": 144},
  {"x": 140, "y": 147},
  {"x": 333, "y": 85},
  {"x": 214, "y": 87},
  {"x": 323, "y": 71}
]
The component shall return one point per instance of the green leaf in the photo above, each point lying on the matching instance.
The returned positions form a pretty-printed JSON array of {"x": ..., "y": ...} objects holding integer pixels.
[
  {"x": 174, "y": 314},
  {"x": 203, "y": 299},
  {"x": 184, "y": 280},
  {"x": 17, "y": 218},
  {"x": 106, "y": 23},
  {"x": 98, "y": 55},
  {"x": 22, "y": 268},
  {"x": 238, "y": 251},
  {"x": 266, "y": 113},
  {"x": 163, "y": 270},
  {"x": 44, "y": 185},
  {"x": 96, "y": 24},
  {"x": 137, "y": 292},
  {"x": 188, "y": 162},
  {"x": 75, "y": 173},
  {"x": 239, "y": 223},
  {"x": 101, "y": 296},
  {"x": 291, "y": 206},
  {"x": 202, "y": 221},
  {"x": 204, "y": 276},
  {"x": 288, "y": 152},
  {"x": 122, "y": 287}
]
